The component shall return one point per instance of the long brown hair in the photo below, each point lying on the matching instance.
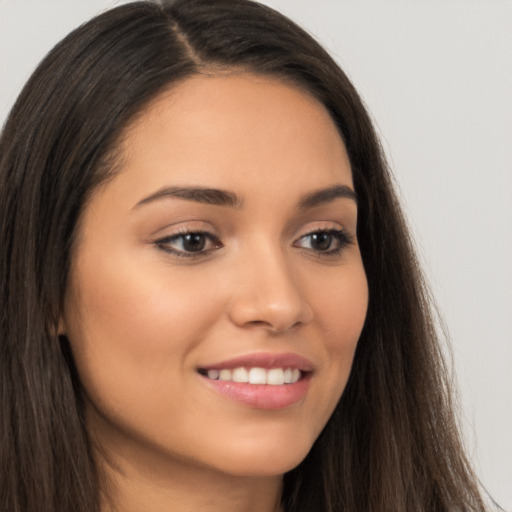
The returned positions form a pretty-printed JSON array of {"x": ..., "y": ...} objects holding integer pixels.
[{"x": 392, "y": 444}]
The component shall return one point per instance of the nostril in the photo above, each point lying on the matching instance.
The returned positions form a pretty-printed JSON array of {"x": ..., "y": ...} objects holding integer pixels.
[{"x": 259, "y": 323}]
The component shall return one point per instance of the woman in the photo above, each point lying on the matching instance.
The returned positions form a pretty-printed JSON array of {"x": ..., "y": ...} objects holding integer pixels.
[{"x": 209, "y": 296}]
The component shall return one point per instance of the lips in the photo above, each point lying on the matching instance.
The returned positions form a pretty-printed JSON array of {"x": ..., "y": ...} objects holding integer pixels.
[
  {"x": 263, "y": 380},
  {"x": 264, "y": 360}
]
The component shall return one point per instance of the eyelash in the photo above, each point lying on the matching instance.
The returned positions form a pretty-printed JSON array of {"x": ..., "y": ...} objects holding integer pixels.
[{"x": 338, "y": 235}]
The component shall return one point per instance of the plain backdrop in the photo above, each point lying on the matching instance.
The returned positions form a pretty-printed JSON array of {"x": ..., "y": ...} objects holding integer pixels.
[{"x": 437, "y": 78}]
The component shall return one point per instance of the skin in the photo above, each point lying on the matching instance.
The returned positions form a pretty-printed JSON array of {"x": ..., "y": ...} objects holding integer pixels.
[{"x": 141, "y": 319}]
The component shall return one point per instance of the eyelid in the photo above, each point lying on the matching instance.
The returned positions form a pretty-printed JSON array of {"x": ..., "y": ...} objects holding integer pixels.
[
  {"x": 166, "y": 230},
  {"x": 333, "y": 231},
  {"x": 315, "y": 227}
]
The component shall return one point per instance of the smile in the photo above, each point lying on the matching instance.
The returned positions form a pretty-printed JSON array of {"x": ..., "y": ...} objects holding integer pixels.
[
  {"x": 260, "y": 380},
  {"x": 255, "y": 375}
]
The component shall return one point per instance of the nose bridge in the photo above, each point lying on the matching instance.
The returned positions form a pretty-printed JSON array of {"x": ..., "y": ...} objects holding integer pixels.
[{"x": 267, "y": 291}]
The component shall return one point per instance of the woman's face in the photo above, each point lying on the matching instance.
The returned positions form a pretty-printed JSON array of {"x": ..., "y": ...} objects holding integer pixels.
[{"x": 224, "y": 251}]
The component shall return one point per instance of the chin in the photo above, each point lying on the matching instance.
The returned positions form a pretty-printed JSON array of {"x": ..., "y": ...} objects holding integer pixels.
[{"x": 265, "y": 461}]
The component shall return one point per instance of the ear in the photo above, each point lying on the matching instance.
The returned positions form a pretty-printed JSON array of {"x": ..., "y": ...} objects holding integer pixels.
[{"x": 61, "y": 328}]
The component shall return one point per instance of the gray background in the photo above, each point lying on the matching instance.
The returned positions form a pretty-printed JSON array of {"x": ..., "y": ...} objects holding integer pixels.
[{"x": 437, "y": 77}]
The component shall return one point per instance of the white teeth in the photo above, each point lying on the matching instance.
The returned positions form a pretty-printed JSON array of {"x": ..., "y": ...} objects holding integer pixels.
[
  {"x": 225, "y": 375},
  {"x": 240, "y": 375},
  {"x": 257, "y": 376},
  {"x": 213, "y": 374},
  {"x": 273, "y": 376}
]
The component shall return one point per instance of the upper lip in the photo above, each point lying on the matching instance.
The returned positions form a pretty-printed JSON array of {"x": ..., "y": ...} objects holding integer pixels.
[{"x": 264, "y": 360}]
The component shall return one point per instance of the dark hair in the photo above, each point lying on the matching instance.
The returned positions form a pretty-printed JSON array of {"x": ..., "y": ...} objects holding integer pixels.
[{"x": 392, "y": 444}]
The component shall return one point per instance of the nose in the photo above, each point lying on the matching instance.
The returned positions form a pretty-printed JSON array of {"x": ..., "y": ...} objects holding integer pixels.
[{"x": 267, "y": 293}]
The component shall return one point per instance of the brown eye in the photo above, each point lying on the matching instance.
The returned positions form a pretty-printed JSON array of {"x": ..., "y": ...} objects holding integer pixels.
[
  {"x": 330, "y": 241},
  {"x": 321, "y": 241},
  {"x": 189, "y": 244},
  {"x": 193, "y": 242}
]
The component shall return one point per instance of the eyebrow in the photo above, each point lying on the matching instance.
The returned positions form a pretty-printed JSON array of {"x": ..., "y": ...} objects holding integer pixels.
[
  {"x": 218, "y": 197},
  {"x": 202, "y": 195},
  {"x": 326, "y": 195}
]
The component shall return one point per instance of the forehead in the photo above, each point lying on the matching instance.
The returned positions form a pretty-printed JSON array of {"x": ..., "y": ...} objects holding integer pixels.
[{"x": 209, "y": 130}]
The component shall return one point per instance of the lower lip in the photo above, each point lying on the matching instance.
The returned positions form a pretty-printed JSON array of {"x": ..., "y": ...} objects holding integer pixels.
[{"x": 262, "y": 396}]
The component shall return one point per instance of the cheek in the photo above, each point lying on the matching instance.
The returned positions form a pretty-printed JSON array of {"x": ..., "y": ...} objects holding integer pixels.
[
  {"x": 139, "y": 299},
  {"x": 341, "y": 314},
  {"x": 132, "y": 325},
  {"x": 341, "y": 311}
]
